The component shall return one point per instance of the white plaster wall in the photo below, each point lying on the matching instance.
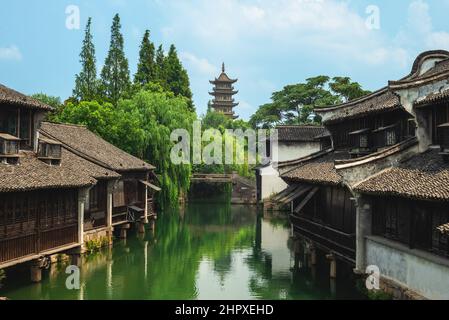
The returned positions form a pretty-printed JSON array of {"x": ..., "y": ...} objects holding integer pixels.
[
  {"x": 295, "y": 150},
  {"x": 271, "y": 182},
  {"x": 286, "y": 151},
  {"x": 421, "y": 272}
]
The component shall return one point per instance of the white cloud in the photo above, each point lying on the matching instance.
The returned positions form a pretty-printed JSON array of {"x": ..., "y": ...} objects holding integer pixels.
[
  {"x": 419, "y": 32},
  {"x": 10, "y": 53},
  {"x": 200, "y": 65},
  {"x": 314, "y": 26}
]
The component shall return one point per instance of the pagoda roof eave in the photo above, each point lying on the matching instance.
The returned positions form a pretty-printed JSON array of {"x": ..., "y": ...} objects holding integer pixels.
[{"x": 216, "y": 81}]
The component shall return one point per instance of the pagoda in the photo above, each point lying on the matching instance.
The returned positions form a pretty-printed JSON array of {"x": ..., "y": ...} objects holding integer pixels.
[{"x": 223, "y": 92}]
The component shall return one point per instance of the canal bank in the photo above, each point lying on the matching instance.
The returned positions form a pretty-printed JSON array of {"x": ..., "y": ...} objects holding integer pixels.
[{"x": 204, "y": 251}]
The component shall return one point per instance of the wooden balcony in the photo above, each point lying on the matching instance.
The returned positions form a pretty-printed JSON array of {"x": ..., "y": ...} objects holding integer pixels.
[{"x": 330, "y": 239}]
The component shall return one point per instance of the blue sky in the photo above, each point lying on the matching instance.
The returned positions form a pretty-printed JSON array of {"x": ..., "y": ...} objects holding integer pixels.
[{"x": 265, "y": 43}]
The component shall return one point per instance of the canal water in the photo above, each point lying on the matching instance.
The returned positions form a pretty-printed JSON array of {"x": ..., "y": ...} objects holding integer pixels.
[{"x": 204, "y": 251}]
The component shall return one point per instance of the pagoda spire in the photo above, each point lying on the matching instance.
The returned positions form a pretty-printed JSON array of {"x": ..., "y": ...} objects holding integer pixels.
[{"x": 223, "y": 93}]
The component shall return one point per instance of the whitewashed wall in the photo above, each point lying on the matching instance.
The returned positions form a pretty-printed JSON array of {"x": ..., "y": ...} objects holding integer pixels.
[
  {"x": 420, "y": 271},
  {"x": 271, "y": 182}
]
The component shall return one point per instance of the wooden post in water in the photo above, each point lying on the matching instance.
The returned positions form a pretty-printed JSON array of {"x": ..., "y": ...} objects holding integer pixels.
[
  {"x": 313, "y": 256},
  {"x": 36, "y": 271},
  {"x": 141, "y": 227},
  {"x": 123, "y": 230},
  {"x": 333, "y": 266}
]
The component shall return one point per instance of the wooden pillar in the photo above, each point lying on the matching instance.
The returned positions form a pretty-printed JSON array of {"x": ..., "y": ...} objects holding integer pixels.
[
  {"x": 109, "y": 203},
  {"x": 75, "y": 260},
  {"x": 82, "y": 196},
  {"x": 333, "y": 266},
  {"x": 363, "y": 229},
  {"x": 141, "y": 227},
  {"x": 36, "y": 271},
  {"x": 145, "y": 220},
  {"x": 313, "y": 256},
  {"x": 124, "y": 230}
]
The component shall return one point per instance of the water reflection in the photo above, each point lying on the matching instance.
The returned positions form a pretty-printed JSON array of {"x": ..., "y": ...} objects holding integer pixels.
[{"x": 203, "y": 251}]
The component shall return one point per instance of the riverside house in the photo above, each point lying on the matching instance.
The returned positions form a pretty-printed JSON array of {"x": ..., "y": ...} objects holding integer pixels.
[
  {"x": 293, "y": 142},
  {"x": 380, "y": 195},
  {"x": 62, "y": 185}
]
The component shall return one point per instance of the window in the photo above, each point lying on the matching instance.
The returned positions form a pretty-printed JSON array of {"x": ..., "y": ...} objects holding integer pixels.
[
  {"x": 9, "y": 145},
  {"x": 413, "y": 223},
  {"x": 93, "y": 198},
  {"x": 440, "y": 242},
  {"x": 25, "y": 132},
  {"x": 49, "y": 149},
  {"x": 390, "y": 137},
  {"x": 119, "y": 195},
  {"x": 364, "y": 141},
  {"x": 444, "y": 137}
]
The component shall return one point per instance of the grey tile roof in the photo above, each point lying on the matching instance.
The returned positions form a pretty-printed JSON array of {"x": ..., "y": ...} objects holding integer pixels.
[
  {"x": 91, "y": 146},
  {"x": 424, "y": 176},
  {"x": 10, "y": 96}
]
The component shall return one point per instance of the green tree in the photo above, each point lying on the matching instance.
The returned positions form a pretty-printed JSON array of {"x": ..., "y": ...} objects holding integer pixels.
[
  {"x": 146, "y": 68},
  {"x": 115, "y": 74},
  {"x": 141, "y": 126},
  {"x": 52, "y": 101},
  {"x": 346, "y": 89},
  {"x": 176, "y": 75},
  {"x": 161, "y": 76},
  {"x": 86, "y": 84},
  {"x": 294, "y": 104}
]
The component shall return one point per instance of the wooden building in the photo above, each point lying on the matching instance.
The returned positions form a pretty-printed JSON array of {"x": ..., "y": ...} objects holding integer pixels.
[
  {"x": 223, "y": 93},
  {"x": 52, "y": 194},
  {"x": 380, "y": 195}
]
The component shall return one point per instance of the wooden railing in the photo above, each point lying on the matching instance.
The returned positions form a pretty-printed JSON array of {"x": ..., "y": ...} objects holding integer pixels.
[
  {"x": 55, "y": 238},
  {"x": 25, "y": 245},
  {"x": 12, "y": 249}
]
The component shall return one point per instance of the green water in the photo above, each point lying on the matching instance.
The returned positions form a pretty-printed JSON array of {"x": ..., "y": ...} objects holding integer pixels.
[{"x": 205, "y": 251}]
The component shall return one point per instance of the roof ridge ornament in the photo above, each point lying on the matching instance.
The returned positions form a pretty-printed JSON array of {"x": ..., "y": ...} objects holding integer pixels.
[{"x": 223, "y": 67}]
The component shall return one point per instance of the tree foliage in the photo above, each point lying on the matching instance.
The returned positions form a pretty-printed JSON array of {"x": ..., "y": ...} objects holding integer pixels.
[
  {"x": 294, "y": 104},
  {"x": 86, "y": 83},
  {"x": 146, "y": 68},
  {"x": 115, "y": 74},
  {"x": 141, "y": 126},
  {"x": 217, "y": 120}
]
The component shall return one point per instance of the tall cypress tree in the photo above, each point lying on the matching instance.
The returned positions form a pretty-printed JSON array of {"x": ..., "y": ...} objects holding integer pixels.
[
  {"x": 176, "y": 76},
  {"x": 86, "y": 85},
  {"x": 160, "y": 67},
  {"x": 146, "y": 68},
  {"x": 115, "y": 74}
]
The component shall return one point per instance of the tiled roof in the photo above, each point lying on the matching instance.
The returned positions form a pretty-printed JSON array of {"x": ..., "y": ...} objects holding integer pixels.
[
  {"x": 440, "y": 66},
  {"x": 300, "y": 133},
  {"x": 438, "y": 71},
  {"x": 424, "y": 176},
  {"x": 91, "y": 147},
  {"x": 433, "y": 97},
  {"x": 377, "y": 102},
  {"x": 10, "y": 96},
  {"x": 33, "y": 173},
  {"x": 320, "y": 170}
]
